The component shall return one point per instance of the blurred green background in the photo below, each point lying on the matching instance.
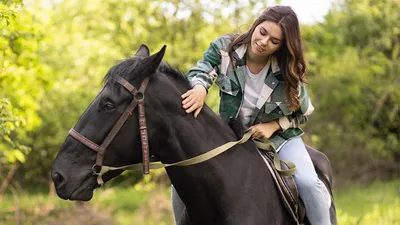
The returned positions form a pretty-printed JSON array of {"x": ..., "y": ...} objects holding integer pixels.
[{"x": 54, "y": 54}]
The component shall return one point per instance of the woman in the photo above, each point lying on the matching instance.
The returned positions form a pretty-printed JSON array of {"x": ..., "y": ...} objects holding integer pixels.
[{"x": 261, "y": 76}]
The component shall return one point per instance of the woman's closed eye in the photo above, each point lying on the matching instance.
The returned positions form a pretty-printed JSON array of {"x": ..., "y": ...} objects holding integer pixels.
[
  {"x": 275, "y": 42},
  {"x": 263, "y": 32}
]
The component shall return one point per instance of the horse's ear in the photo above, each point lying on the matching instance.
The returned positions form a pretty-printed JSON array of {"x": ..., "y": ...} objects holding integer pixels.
[
  {"x": 154, "y": 61},
  {"x": 143, "y": 51}
]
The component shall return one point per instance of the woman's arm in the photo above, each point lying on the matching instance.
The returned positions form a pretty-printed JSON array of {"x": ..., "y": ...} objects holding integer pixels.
[
  {"x": 300, "y": 116},
  {"x": 201, "y": 78},
  {"x": 206, "y": 69}
]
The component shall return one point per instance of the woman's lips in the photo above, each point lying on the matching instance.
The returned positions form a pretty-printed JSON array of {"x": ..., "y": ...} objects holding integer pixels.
[{"x": 259, "y": 48}]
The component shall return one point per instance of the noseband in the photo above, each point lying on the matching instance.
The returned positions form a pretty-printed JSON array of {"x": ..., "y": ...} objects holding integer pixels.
[{"x": 138, "y": 99}]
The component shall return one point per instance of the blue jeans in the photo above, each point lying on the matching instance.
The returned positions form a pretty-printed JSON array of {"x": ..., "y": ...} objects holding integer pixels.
[
  {"x": 307, "y": 181},
  {"x": 178, "y": 206}
]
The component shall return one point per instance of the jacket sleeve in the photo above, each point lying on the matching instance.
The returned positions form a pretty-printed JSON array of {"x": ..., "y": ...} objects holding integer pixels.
[
  {"x": 206, "y": 69},
  {"x": 300, "y": 116}
]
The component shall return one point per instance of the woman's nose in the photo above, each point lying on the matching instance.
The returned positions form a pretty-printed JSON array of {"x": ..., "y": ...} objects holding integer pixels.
[{"x": 264, "y": 41}]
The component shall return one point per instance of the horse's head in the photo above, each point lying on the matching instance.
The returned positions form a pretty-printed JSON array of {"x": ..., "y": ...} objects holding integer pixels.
[{"x": 73, "y": 171}]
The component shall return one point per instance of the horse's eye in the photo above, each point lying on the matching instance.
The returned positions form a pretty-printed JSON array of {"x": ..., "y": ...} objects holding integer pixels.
[{"x": 109, "y": 107}]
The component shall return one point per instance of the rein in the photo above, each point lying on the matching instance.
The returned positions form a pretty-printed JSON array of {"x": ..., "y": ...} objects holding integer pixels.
[{"x": 138, "y": 100}]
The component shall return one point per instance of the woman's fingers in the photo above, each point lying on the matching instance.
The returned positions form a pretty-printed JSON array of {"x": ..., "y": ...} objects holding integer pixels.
[
  {"x": 188, "y": 93},
  {"x": 192, "y": 108},
  {"x": 257, "y": 132},
  {"x": 190, "y": 103},
  {"x": 198, "y": 110},
  {"x": 193, "y": 100},
  {"x": 256, "y": 135}
]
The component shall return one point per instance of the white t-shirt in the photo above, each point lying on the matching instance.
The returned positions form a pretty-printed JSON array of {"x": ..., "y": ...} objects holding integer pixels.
[{"x": 252, "y": 90}]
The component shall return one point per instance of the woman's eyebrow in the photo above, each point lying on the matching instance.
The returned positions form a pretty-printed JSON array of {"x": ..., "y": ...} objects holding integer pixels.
[{"x": 270, "y": 33}]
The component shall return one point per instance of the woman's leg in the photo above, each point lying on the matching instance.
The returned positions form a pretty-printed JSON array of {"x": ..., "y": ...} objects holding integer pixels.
[
  {"x": 177, "y": 206},
  {"x": 307, "y": 181}
]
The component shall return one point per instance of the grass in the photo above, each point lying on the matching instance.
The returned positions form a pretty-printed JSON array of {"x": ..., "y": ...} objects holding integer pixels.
[
  {"x": 377, "y": 204},
  {"x": 29, "y": 208},
  {"x": 141, "y": 204}
]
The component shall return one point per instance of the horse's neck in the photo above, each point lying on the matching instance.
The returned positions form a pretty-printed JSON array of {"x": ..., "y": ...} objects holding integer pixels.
[{"x": 192, "y": 137}]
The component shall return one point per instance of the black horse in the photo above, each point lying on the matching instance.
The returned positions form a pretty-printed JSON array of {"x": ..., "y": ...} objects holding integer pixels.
[{"x": 234, "y": 188}]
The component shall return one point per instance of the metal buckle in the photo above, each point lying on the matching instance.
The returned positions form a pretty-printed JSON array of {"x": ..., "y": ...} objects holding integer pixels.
[
  {"x": 96, "y": 169},
  {"x": 139, "y": 96}
]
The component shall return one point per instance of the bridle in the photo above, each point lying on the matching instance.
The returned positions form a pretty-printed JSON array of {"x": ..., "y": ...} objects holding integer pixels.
[
  {"x": 138, "y": 99},
  {"x": 99, "y": 169}
]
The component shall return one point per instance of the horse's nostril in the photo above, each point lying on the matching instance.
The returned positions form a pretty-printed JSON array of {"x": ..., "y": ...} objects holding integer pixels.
[{"x": 57, "y": 179}]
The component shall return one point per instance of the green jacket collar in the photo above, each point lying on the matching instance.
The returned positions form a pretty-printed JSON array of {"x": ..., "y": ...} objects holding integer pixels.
[
  {"x": 240, "y": 71},
  {"x": 240, "y": 55}
]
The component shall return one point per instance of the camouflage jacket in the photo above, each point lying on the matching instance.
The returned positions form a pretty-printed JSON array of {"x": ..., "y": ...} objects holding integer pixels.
[{"x": 216, "y": 65}]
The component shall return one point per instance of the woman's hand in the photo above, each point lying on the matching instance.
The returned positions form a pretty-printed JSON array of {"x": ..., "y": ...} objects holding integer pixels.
[
  {"x": 264, "y": 130},
  {"x": 193, "y": 100}
]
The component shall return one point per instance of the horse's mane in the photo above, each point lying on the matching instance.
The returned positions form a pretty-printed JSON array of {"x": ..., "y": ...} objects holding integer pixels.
[
  {"x": 122, "y": 67},
  {"x": 128, "y": 65},
  {"x": 174, "y": 73}
]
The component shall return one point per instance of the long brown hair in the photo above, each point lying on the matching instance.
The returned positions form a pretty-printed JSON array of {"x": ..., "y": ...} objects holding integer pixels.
[{"x": 289, "y": 56}]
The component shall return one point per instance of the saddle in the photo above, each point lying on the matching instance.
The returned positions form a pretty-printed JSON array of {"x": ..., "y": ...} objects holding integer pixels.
[{"x": 287, "y": 188}]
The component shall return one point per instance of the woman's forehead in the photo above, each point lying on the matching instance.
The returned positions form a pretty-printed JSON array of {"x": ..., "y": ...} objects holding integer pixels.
[{"x": 272, "y": 28}]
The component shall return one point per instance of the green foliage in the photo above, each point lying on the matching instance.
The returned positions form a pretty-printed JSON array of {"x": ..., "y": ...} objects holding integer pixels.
[
  {"x": 14, "y": 117},
  {"x": 353, "y": 75},
  {"x": 11, "y": 150},
  {"x": 7, "y": 15}
]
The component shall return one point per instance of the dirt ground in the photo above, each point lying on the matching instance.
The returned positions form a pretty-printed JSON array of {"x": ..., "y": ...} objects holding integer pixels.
[{"x": 79, "y": 214}]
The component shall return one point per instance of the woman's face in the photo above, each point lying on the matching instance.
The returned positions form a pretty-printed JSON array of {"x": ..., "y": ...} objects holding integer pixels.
[{"x": 266, "y": 39}]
